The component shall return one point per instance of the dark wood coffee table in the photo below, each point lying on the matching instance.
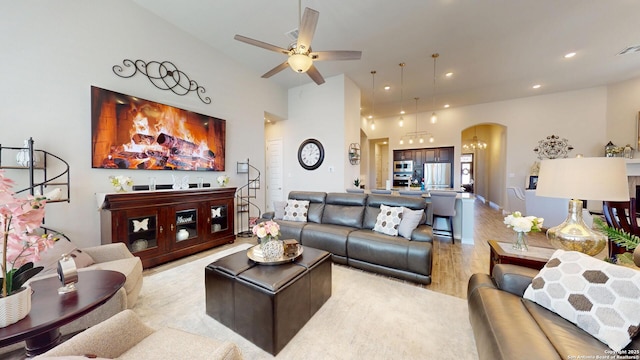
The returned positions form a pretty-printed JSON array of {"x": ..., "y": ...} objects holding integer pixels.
[
  {"x": 502, "y": 253},
  {"x": 49, "y": 310}
]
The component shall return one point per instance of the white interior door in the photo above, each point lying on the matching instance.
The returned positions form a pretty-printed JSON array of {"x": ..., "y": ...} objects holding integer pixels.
[{"x": 275, "y": 171}]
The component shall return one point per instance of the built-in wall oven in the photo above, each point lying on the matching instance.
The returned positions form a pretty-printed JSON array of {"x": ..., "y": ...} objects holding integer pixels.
[
  {"x": 403, "y": 166},
  {"x": 401, "y": 179}
]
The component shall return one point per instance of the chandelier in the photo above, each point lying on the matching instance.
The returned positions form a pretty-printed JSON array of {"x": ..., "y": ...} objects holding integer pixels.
[
  {"x": 418, "y": 136},
  {"x": 474, "y": 143}
]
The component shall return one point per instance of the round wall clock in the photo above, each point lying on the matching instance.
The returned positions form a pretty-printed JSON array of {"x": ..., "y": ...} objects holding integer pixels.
[{"x": 310, "y": 154}]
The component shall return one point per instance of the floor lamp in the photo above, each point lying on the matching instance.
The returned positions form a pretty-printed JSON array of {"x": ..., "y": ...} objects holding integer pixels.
[{"x": 580, "y": 178}]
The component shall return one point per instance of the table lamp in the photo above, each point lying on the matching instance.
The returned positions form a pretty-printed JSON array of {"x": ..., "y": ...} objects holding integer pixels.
[{"x": 580, "y": 178}]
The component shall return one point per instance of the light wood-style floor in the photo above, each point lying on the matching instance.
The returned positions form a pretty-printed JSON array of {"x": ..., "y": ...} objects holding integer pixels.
[{"x": 453, "y": 264}]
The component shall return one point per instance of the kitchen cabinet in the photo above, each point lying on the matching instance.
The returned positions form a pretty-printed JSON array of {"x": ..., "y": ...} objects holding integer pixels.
[
  {"x": 160, "y": 226},
  {"x": 399, "y": 155},
  {"x": 443, "y": 154}
]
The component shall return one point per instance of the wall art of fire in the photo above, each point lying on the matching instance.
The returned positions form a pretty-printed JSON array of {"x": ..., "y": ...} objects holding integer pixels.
[{"x": 132, "y": 133}]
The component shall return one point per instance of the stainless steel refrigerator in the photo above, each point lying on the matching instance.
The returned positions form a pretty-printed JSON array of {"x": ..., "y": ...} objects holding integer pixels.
[{"x": 437, "y": 176}]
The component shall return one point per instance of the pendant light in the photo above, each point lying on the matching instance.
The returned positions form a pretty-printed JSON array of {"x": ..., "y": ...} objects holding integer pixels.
[
  {"x": 401, "y": 120},
  {"x": 421, "y": 140},
  {"x": 434, "y": 117},
  {"x": 373, "y": 99}
]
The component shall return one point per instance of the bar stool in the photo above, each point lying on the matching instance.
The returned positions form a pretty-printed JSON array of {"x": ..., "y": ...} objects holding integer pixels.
[{"x": 444, "y": 206}]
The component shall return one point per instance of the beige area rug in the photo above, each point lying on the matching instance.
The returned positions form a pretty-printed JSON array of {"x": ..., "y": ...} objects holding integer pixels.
[{"x": 367, "y": 317}]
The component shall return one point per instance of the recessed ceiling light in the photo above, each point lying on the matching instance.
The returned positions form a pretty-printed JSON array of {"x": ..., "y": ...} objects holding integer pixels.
[
  {"x": 449, "y": 74},
  {"x": 370, "y": 116},
  {"x": 387, "y": 87},
  {"x": 402, "y": 112},
  {"x": 536, "y": 86},
  {"x": 446, "y": 106},
  {"x": 569, "y": 55}
]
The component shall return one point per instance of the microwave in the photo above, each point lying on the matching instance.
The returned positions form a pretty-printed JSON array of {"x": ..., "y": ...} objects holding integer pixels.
[{"x": 403, "y": 166}]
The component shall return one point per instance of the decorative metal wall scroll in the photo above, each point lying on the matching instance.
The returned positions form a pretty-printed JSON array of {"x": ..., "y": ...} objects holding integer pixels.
[
  {"x": 163, "y": 75},
  {"x": 553, "y": 147}
]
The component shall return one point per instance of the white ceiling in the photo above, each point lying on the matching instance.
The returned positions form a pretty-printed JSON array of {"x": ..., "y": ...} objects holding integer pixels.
[{"x": 497, "y": 49}]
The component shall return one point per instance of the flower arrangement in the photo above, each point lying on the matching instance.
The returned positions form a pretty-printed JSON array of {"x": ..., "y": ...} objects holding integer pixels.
[
  {"x": 267, "y": 230},
  {"x": 523, "y": 224},
  {"x": 222, "y": 180},
  {"x": 21, "y": 246},
  {"x": 121, "y": 182}
]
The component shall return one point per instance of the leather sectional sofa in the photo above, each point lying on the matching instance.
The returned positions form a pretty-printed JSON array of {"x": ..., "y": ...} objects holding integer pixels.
[
  {"x": 506, "y": 326},
  {"x": 342, "y": 223}
]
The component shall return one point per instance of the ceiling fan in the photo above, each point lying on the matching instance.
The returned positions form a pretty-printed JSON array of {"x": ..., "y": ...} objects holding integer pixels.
[{"x": 301, "y": 57}]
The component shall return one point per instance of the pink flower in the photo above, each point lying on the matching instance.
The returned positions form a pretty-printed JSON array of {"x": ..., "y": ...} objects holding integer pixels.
[
  {"x": 265, "y": 228},
  {"x": 19, "y": 218}
]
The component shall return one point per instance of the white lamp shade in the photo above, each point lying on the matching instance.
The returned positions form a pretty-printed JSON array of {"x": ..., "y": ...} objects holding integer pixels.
[
  {"x": 596, "y": 178},
  {"x": 300, "y": 63}
]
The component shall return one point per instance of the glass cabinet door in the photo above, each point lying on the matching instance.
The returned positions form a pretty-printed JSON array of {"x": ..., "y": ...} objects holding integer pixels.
[
  {"x": 142, "y": 232},
  {"x": 186, "y": 224},
  {"x": 219, "y": 218}
]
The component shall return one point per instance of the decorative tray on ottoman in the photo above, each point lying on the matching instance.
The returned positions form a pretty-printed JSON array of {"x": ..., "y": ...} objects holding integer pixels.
[{"x": 254, "y": 253}]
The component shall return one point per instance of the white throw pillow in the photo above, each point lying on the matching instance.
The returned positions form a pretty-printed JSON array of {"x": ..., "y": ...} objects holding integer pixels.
[
  {"x": 388, "y": 220},
  {"x": 410, "y": 221},
  {"x": 296, "y": 210},
  {"x": 278, "y": 209},
  {"x": 600, "y": 298}
]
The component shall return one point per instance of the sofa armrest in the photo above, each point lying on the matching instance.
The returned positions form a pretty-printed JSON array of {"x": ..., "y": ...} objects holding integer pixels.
[
  {"x": 422, "y": 233},
  {"x": 479, "y": 280},
  {"x": 513, "y": 278},
  {"x": 108, "y": 252},
  {"x": 109, "y": 339}
]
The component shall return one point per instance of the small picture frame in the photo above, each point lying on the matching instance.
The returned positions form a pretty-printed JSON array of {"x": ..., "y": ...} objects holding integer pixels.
[{"x": 533, "y": 182}]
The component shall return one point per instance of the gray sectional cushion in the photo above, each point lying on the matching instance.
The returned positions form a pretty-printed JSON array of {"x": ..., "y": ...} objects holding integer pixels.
[
  {"x": 344, "y": 209},
  {"x": 327, "y": 237},
  {"x": 316, "y": 203},
  {"x": 390, "y": 251},
  {"x": 290, "y": 229}
]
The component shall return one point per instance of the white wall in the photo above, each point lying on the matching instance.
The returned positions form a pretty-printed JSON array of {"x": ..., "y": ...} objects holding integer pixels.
[
  {"x": 330, "y": 114},
  {"x": 52, "y": 52},
  {"x": 623, "y": 105}
]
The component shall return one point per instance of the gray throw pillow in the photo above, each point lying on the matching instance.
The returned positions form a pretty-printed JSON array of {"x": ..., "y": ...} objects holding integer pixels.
[
  {"x": 410, "y": 221},
  {"x": 278, "y": 209}
]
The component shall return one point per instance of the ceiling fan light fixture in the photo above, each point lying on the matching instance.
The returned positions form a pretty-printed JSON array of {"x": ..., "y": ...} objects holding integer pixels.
[{"x": 300, "y": 63}]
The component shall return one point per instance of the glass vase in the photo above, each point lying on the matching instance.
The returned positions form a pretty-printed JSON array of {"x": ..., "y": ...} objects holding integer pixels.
[
  {"x": 520, "y": 242},
  {"x": 272, "y": 248}
]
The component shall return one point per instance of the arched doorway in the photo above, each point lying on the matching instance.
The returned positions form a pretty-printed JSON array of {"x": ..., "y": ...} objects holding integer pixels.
[{"x": 483, "y": 161}]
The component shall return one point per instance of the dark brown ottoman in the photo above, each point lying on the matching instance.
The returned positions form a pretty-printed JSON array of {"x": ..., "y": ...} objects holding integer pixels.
[{"x": 267, "y": 304}]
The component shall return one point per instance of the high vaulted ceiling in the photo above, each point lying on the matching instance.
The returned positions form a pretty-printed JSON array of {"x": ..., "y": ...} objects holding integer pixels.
[{"x": 496, "y": 49}]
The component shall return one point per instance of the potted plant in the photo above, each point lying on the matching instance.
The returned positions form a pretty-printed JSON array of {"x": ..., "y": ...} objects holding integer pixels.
[
  {"x": 21, "y": 246},
  {"x": 620, "y": 237},
  {"x": 356, "y": 183}
]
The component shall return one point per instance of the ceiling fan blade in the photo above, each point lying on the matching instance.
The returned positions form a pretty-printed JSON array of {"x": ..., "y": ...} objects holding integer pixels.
[
  {"x": 276, "y": 70},
  {"x": 261, "y": 44},
  {"x": 336, "y": 55},
  {"x": 314, "y": 74},
  {"x": 307, "y": 28}
]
